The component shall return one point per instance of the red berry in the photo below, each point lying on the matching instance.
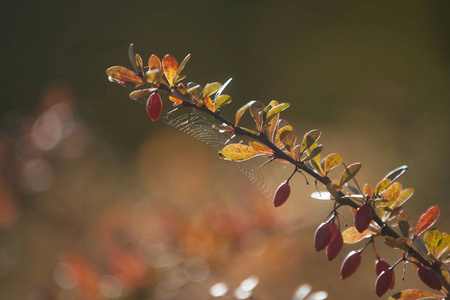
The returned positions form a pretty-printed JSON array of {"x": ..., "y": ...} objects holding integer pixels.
[
  {"x": 383, "y": 282},
  {"x": 335, "y": 246},
  {"x": 363, "y": 217},
  {"x": 350, "y": 264},
  {"x": 154, "y": 106},
  {"x": 430, "y": 277},
  {"x": 323, "y": 236},
  {"x": 282, "y": 194},
  {"x": 382, "y": 265},
  {"x": 335, "y": 228}
]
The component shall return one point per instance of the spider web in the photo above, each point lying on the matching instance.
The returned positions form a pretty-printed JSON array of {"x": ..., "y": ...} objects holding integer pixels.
[{"x": 200, "y": 126}]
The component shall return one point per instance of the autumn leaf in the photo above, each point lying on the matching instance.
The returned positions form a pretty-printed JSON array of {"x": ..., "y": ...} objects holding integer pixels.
[
  {"x": 397, "y": 243},
  {"x": 444, "y": 245},
  {"x": 349, "y": 173},
  {"x": 170, "y": 67},
  {"x": 238, "y": 152},
  {"x": 211, "y": 88},
  {"x": 427, "y": 220},
  {"x": 309, "y": 139},
  {"x": 332, "y": 161},
  {"x": 431, "y": 238},
  {"x": 260, "y": 148},
  {"x": 241, "y": 111},
  {"x": 381, "y": 187},
  {"x": 404, "y": 223},
  {"x": 123, "y": 76},
  {"x": 221, "y": 101},
  {"x": 414, "y": 295},
  {"x": 393, "y": 192},
  {"x": 352, "y": 235}
]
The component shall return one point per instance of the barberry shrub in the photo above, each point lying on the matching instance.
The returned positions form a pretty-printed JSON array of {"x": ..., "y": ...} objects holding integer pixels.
[{"x": 378, "y": 212}]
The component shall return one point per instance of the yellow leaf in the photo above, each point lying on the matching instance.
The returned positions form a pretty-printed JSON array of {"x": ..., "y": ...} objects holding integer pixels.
[
  {"x": 238, "y": 152},
  {"x": 332, "y": 161},
  {"x": 260, "y": 148},
  {"x": 170, "y": 67},
  {"x": 352, "y": 236}
]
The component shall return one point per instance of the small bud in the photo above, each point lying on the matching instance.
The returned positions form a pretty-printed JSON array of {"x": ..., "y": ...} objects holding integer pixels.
[
  {"x": 154, "y": 106},
  {"x": 430, "y": 277},
  {"x": 335, "y": 246},
  {"x": 363, "y": 217},
  {"x": 383, "y": 282},
  {"x": 282, "y": 194},
  {"x": 350, "y": 264},
  {"x": 323, "y": 236}
]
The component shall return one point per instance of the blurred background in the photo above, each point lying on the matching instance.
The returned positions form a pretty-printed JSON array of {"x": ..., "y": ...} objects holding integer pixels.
[{"x": 98, "y": 202}]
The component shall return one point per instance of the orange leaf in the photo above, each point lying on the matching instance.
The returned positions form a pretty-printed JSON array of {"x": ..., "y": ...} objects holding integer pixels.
[
  {"x": 170, "y": 67},
  {"x": 368, "y": 190},
  {"x": 260, "y": 148},
  {"x": 175, "y": 99},
  {"x": 238, "y": 152},
  {"x": 352, "y": 236},
  {"x": 154, "y": 63},
  {"x": 209, "y": 103},
  {"x": 393, "y": 192},
  {"x": 427, "y": 220},
  {"x": 414, "y": 295},
  {"x": 123, "y": 76}
]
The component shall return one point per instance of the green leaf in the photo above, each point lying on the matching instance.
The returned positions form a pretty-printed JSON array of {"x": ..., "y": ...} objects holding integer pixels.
[
  {"x": 332, "y": 161},
  {"x": 352, "y": 236},
  {"x": 349, "y": 173},
  {"x": 276, "y": 110},
  {"x": 431, "y": 238},
  {"x": 427, "y": 220},
  {"x": 211, "y": 88},
  {"x": 309, "y": 139},
  {"x": 221, "y": 101},
  {"x": 396, "y": 173},
  {"x": 414, "y": 295},
  {"x": 381, "y": 187},
  {"x": 238, "y": 152},
  {"x": 257, "y": 112},
  {"x": 444, "y": 245},
  {"x": 123, "y": 76},
  {"x": 397, "y": 243},
  {"x": 241, "y": 111},
  {"x": 404, "y": 223}
]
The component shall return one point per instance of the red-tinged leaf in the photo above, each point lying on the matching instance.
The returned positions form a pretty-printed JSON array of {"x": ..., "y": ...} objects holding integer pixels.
[
  {"x": 221, "y": 101},
  {"x": 397, "y": 243},
  {"x": 139, "y": 64},
  {"x": 368, "y": 190},
  {"x": 349, "y": 173},
  {"x": 309, "y": 139},
  {"x": 271, "y": 126},
  {"x": 241, "y": 111},
  {"x": 276, "y": 110},
  {"x": 404, "y": 223},
  {"x": 381, "y": 187},
  {"x": 444, "y": 245},
  {"x": 140, "y": 95},
  {"x": 170, "y": 67},
  {"x": 352, "y": 236},
  {"x": 257, "y": 111},
  {"x": 404, "y": 196},
  {"x": 414, "y": 295},
  {"x": 332, "y": 161},
  {"x": 211, "y": 88},
  {"x": 431, "y": 238},
  {"x": 282, "y": 131},
  {"x": 260, "y": 148},
  {"x": 238, "y": 152},
  {"x": 427, "y": 220},
  {"x": 396, "y": 173},
  {"x": 175, "y": 100},
  {"x": 288, "y": 138},
  {"x": 209, "y": 104},
  {"x": 296, "y": 152},
  {"x": 392, "y": 192},
  {"x": 154, "y": 63},
  {"x": 183, "y": 64},
  {"x": 123, "y": 76}
]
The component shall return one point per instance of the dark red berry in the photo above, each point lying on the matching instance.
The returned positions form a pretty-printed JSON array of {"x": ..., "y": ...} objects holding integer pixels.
[
  {"x": 282, "y": 194},
  {"x": 363, "y": 217},
  {"x": 350, "y": 264},
  {"x": 430, "y": 277},
  {"x": 335, "y": 246},
  {"x": 335, "y": 228},
  {"x": 154, "y": 106},
  {"x": 323, "y": 236},
  {"x": 382, "y": 265},
  {"x": 383, "y": 282}
]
